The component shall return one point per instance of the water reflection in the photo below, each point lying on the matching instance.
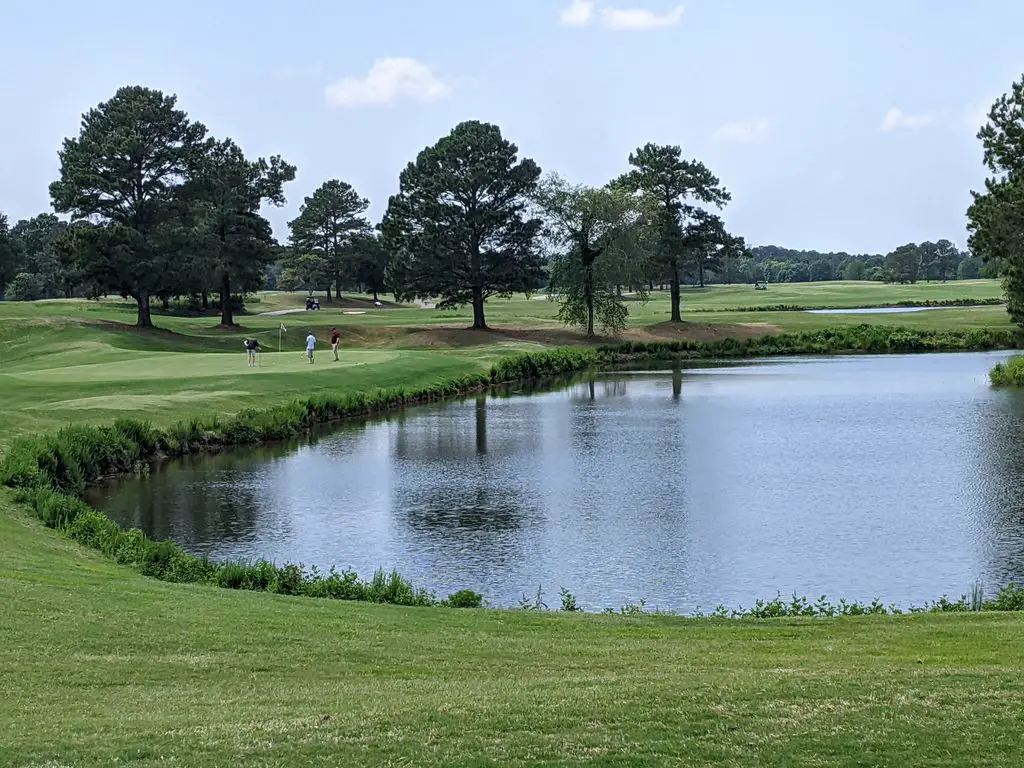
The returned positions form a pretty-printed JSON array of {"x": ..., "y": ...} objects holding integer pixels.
[
  {"x": 1000, "y": 467},
  {"x": 892, "y": 477}
]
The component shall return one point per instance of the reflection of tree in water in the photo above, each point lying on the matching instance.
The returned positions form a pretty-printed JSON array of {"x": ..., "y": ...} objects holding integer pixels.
[
  {"x": 462, "y": 488},
  {"x": 459, "y": 434},
  {"x": 596, "y": 388},
  {"x": 999, "y": 474},
  {"x": 199, "y": 501},
  {"x": 467, "y": 505}
]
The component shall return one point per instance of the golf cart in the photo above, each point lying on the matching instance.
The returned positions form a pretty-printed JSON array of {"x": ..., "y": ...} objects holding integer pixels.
[
  {"x": 312, "y": 303},
  {"x": 761, "y": 285}
]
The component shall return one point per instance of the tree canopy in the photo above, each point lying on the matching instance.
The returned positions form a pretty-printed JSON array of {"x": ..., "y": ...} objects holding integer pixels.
[
  {"x": 10, "y": 254},
  {"x": 123, "y": 174},
  {"x": 233, "y": 241},
  {"x": 665, "y": 182},
  {"x": 593, "y": 234},
  {"x": 329, "y": 223},
  {"x": 459, "y": 227},
  {"x": 996, "y": 217}
]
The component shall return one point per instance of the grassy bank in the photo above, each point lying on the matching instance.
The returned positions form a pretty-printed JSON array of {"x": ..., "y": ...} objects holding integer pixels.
[
  {"x": 1008, "y": 374},
  {"x": 102, "y": 665}
]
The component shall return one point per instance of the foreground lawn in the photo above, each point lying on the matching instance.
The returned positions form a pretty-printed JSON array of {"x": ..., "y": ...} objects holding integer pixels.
[{"x": 102, "y": 667}]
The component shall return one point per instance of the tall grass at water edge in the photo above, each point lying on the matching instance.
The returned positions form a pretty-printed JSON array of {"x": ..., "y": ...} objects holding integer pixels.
[
  {"x": 52, "y": 471},
  {"x": 862, "y": 338},
  {"x": 886, "y": 305},
  {"x": 1009, "y": 373}
]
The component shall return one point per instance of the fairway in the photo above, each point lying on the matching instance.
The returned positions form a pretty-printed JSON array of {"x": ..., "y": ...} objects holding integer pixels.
[{"x": 102, "y": 666}]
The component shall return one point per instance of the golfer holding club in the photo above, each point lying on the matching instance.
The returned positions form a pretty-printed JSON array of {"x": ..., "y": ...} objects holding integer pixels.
[
  {"x": 310, "y": 346},
  {"x": 335, "y": 341},
  {"x": 252, "y": 347}
]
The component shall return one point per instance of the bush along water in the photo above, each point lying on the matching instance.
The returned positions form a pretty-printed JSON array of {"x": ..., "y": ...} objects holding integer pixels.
[
  {"x": 863, "y": 338},
  {"x": 52, "y": 471},
  {"x": 989, "y": 302},
  {"x": 1009, "y": 598},
  {"x": 1008, "y": 374}
]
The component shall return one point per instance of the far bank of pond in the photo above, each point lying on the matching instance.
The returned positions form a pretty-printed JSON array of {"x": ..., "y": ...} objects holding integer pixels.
[{"x": 859, "y": 477}]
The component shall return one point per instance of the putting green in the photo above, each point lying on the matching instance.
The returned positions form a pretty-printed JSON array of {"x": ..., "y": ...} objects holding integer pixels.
[{"x": 141, "y": 366}]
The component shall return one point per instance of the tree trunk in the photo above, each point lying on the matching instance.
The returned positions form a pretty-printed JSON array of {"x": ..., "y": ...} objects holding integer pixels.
[
  {"x": 144, "y": 320},
  {"x": 226, "y": 317},
  {"x": 478, "y": 308},
  {"x": 165, "y": 302},
  {"x": 676, "y": 317},
  {"x": 588, "y": 290},
  {"x": 700, "y": 271},
  {"x": 206, "y": 299},
  {"x": 481, "y": 424},
  {"x": 375, "y": 296}
]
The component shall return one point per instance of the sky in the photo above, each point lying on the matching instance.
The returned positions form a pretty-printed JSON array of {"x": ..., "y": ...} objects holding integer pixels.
[{"x": 835, "y": 126}]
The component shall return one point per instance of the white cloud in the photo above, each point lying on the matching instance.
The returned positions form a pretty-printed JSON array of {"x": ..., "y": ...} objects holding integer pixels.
[
  {"x": 578, "y": 13},
  {"x": 743, "y": 132},
  {"x": 896, "y": 118},
  {"x": 640, "y": 18},
  {"x": 389, "y": 80}
]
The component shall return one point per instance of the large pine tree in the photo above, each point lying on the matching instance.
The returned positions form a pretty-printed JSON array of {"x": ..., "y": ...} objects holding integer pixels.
[{"x": 459, "y": 227}]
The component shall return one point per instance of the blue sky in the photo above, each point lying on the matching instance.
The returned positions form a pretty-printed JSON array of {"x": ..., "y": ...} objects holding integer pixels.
[{"x": 835, "y": 126}]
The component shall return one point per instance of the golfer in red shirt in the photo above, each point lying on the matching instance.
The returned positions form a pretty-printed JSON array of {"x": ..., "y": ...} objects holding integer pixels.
[{"x": 335, "y": 341}]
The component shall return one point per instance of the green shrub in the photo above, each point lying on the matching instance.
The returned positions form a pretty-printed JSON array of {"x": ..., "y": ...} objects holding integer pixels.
[
  {"x": 842, "y": 339},
  {"x": 1010, "y": 598},
  {"x": 809, "y": 307},
  {"x": 1008, "y": 374},
  {"x": 465, "y": 598}
]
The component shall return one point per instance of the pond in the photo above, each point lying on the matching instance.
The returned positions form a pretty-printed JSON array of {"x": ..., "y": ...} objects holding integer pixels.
[{"x": 896, "y": 477}]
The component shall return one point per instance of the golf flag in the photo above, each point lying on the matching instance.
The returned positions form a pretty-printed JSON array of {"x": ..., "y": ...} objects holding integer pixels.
[{"x": 283, "y": 328}]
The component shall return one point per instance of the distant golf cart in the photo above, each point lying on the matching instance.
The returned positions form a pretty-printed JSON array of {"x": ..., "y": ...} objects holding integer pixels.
[
  {"x": 760, "y": 285},
  {"x": 312, "y": 303}
]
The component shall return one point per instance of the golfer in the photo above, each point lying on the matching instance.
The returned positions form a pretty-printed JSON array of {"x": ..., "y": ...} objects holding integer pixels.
[
  {"x": 310, "y": 346},
  {"x": 335, "y": 341},
  {"x": 252, "y": 347}
]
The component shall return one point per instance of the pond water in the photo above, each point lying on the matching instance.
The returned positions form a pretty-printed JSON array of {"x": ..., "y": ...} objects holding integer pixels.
[{"x": 896, "y": 477}]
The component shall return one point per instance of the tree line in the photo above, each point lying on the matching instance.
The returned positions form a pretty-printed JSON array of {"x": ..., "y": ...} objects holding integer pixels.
[
  {"x": 159, "y": 210},
  {"x": 909, "y": 263}
]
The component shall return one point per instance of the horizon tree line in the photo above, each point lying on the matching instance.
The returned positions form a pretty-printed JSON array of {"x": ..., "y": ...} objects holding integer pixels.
[{"x": 159, "y": 210}]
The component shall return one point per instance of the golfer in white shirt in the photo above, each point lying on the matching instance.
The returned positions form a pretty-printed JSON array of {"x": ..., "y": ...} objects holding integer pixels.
[{"x": 310, "y": 346}]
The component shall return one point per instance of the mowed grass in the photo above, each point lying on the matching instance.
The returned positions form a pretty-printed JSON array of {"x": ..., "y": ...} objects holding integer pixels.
[{"x": 100, "y": 666}]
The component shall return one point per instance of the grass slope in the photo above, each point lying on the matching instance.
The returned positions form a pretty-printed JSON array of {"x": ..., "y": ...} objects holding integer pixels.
[{"x": 101, "y": 666}]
